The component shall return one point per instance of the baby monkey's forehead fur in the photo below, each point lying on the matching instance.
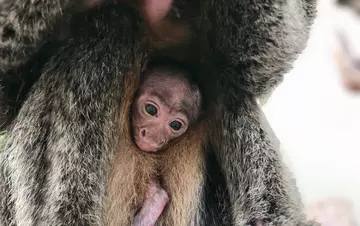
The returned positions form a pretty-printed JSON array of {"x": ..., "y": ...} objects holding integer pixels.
[{"x": 171, "y": 84}]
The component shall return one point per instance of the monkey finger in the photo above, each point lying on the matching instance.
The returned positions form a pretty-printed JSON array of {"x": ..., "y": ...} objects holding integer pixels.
[{"x": 156, "y": 10}]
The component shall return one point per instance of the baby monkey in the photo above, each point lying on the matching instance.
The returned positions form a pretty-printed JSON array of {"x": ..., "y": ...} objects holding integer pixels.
[
  {"x": 164, "y": 107},
  {"x": 166, "y": 103}
]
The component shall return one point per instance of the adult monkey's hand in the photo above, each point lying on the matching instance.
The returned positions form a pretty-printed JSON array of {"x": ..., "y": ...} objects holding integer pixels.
[
  {"x": 154, "y": 13},
  {"x": 153, "y": 10}
]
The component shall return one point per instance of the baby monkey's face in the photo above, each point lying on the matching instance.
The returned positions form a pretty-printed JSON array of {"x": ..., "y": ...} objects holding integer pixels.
[{"x": 160, "y": 112}]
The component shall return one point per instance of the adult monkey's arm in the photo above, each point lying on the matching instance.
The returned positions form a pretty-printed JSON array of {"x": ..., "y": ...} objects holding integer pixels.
[
  {"x": 58, "y": 148},
  {"x": 260, "y": 41},
  {"x": 55, "y": 115},
  {"x": 24, "y": 26}
]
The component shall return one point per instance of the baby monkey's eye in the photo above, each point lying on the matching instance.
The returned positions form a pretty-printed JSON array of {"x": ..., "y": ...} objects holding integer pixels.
[
  {"x": 150, "y": 109},
  {"x": 175, "y": 125}
]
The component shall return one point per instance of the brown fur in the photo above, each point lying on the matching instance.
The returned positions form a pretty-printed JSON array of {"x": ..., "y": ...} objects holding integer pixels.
[
  {"x": 182, "y": 173},
  {"x": 180, "y": 167}
]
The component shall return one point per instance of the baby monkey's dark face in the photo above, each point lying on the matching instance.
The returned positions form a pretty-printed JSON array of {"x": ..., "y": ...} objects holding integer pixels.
[{"x": 162, "y": 110}]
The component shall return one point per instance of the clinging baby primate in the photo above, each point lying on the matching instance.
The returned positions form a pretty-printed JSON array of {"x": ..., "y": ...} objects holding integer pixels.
[{"x": 166, "y": 105}]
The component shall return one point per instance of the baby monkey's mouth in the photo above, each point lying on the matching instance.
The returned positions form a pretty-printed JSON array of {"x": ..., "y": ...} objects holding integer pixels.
[{"x": 146, "y": 146}]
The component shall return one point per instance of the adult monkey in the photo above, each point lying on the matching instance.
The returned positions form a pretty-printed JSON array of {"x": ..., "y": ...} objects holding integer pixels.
[{"x": 60, "y": 145}]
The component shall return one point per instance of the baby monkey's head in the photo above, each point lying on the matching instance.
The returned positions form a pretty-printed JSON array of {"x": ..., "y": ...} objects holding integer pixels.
[{"x": 166, "y": 103}]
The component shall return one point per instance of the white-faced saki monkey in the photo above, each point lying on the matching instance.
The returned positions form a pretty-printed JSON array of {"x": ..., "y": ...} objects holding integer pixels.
[{"x": 69, "y": 75}]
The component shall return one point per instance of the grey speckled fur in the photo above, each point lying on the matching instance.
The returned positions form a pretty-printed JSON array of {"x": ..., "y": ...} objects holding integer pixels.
[{"x": 53, "y": 168}]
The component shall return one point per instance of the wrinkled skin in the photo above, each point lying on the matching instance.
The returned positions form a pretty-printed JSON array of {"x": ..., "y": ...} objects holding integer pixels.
[
  {"x": 161, "y": 111},
  {"x": 155, "y": 200}
]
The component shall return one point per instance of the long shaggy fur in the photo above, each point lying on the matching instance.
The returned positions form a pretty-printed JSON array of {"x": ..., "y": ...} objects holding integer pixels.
[{"x": 69, "y": 159}]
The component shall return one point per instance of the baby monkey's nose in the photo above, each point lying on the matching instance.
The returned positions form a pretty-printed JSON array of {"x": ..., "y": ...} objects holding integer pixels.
[{"x": 143, "y": 132}]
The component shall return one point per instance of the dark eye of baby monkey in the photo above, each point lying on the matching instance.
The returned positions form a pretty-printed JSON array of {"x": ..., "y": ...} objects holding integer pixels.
[
  {"x": 150, "y": 109},
  {"x": 175, "y": 125}
]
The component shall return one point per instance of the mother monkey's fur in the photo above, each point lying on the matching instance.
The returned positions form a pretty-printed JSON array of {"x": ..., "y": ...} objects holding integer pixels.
[{"x": 67, "y": 118}]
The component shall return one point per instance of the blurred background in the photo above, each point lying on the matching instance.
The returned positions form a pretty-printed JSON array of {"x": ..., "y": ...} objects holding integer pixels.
[{"x": 315, "y": 113}]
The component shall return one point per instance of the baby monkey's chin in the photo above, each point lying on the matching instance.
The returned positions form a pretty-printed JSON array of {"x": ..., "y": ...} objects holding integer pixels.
[{"x": 145, "y": 146}]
